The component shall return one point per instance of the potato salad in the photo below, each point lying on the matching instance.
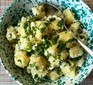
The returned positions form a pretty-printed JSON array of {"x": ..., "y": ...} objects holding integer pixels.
[{"x": 44, "y": 43}]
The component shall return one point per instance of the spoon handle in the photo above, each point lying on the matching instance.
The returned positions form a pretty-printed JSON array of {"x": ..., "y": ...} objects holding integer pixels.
[{"x": 85, "y": 47}]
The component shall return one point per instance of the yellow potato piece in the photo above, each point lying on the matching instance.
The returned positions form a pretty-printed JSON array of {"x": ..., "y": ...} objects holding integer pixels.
[
  {"x": 68, "y": 16},
  {"x": 65, "y": 36},
  {"x": 75, "y": 26},
  {"x": 64, "y": 55},
  {"x": 40, "y": 61},
  {"x": 53, "y": 75},
  {"x": 75, "y": 52},
  {"x": 21, "y": 59}
]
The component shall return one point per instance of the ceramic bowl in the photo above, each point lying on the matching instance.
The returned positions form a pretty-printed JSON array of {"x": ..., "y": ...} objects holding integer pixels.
[{"x": 21, "y": 8}]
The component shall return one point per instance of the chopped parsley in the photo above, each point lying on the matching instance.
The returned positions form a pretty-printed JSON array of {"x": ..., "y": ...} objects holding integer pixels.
[
  {"x": 32, "y": 65},
  {"x": 47, "y": 23},
  {"x": 76, "y": 59},
  {"x": 40, "y": 49},
  {"x": 30, "y": 53},
  {"x": 68, "y": 62},
  {"x": 58, "y": 70},
  {"x": 52, "y": 19},
  {"x": 46, "y": 43},
  {"x": 61, "y": 45},
  {"x": 35, "y": 76},
  {"x": 42, "y": 29},
  {"x": 19, "y": 61},
  {"x": 70, "y": 40},
  {"x": 25, "y": 27},
  {"x": 54, "y": 40},
  {"x": 60, "y": 23}
]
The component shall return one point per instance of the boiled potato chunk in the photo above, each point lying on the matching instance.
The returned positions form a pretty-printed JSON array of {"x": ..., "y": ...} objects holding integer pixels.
[
  {"x": 39, "y": 73},
  {"x": 53, "y": 75},
  {"x": 38, "y": 11},
  {"x": 11, "y": 34},
  {"x": 53, "y": 25},
  {"x": 65, "y": 36},
  {"x": 23, "y": 27},
  {"x": 69, "y": 44},
  {"x": 72, "y": 73},
  {"x": 25, "y": 44},
  {"x": 75, "y": 52},
  {"x": 37, "y": 28},
  {"x": 38, "y": 35},
  {"x": 80, "y": 62},
  {"x": 40, "y": 66},
  {"x": 53, "y": 62},
  {"x": 68, "y": 69},
  {"x": 52, "y": 50},
  {"x": 75, "y": 26},
  {"x": 72, "y": 44},
  {"x": 40, "y": 61},
  {"x": 68, "y": 16},
  {"x": 56, "y": 23},
  {"x": 38, "y": 25},
  {"x": 64, "y": 55},
  {"x": 21, "y": 59}
]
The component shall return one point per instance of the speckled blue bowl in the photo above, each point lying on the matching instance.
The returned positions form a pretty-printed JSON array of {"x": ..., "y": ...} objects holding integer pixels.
[{"x": 21, "y": 8}]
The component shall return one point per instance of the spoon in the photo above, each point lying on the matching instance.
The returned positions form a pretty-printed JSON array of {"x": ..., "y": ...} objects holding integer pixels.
[{"x": 54, "y": 9}]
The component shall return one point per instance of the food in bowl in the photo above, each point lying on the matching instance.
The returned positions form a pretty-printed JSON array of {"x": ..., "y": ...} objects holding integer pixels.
[{"x": 42, "y": 44}]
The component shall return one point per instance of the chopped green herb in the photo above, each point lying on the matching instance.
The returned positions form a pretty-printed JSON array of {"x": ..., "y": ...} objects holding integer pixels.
[
  {"x": 19, "y": 61},
  {"x": 33, "y": 28},
  {"x": 61, "y": 45},
  {"x": 36, "y": 76},
  {"x": 40, "y": 49},
  {"x": 46, "y": 43},
  {"x": 48, "y": 55},
  {"x": 25, "y": 27},
  {"x": 52, "y": 19},
  {"x": 70, "y": 40},
  {"x": 76, "y": 59},
  {"x": 44, "y": 37},
  {"x": 60, "y": 23},
  {"x": 68, "y": 62},
  {"x": 42, "y": 29},
  {"x": 32, "y": 65},
  {"x": 58, "y": 70},
  {"x": 47, "y": 23},
  {"x": 30, "y": 53},
  {"x": 54, "y": 40}
]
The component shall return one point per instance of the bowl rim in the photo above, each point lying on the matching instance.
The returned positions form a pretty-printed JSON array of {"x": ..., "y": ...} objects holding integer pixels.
[{"x": 1, "y": 61}]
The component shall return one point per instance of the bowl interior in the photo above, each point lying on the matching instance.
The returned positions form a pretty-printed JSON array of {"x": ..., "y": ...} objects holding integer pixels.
[{"x": 21, "y": 8}]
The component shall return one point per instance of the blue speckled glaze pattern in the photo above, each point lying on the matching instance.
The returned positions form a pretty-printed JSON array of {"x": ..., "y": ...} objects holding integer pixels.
[{"x": 21, "y": 8}]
